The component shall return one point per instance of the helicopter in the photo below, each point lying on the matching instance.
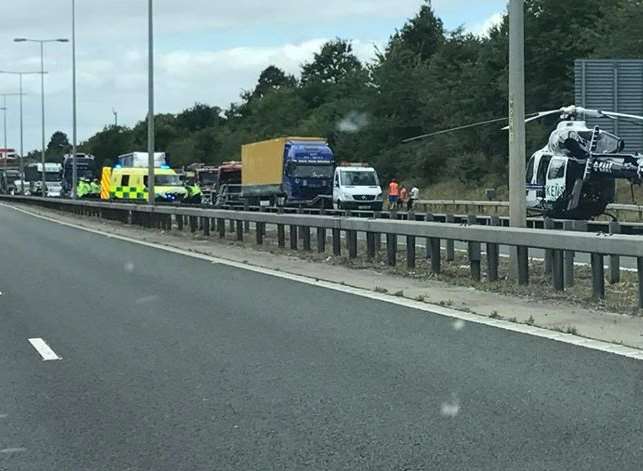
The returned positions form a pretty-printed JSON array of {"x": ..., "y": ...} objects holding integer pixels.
[{"x": 574, "y": 175}]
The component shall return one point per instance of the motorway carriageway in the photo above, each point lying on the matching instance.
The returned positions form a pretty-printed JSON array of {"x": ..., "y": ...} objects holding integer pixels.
[{"x": 117, "y": 356}]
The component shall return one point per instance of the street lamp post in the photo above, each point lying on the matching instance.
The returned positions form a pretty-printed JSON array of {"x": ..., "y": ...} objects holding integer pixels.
[
  {"x": 22, "y": 165},
  {"x": 150, "y": 111},
  {"x": 42, "y": 95},
  {"x": 4, "y": 115},
  {"x": 517, "y": 185},
  {"x": 74, "y": 130},
  {"x": 4, "y": 121},
  {"x": 4, "y": 127}
]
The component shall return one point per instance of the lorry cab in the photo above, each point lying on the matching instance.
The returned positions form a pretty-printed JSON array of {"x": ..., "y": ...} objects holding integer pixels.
[
  {"x": 287, "y": 171},
  {"x": 130, "y": 183},
  {"x": 53, "y": 178},
  {"x": 9, "y": 181},
  {"x": 357, "y": 186}
]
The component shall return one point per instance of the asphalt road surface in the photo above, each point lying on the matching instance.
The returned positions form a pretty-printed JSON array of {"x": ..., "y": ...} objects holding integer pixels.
[{"x": 175, "y": 363}]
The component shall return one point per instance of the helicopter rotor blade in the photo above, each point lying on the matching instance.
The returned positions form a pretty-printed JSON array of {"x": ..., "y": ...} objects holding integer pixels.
[
  {"x": 539, "y": 115},
  {"x": 613, "y": 114},
  {"x": 458, "y": 128}
]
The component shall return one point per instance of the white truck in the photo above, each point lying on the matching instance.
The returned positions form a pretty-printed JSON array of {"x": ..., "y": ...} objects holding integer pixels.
[
  {"x": 357, "y": 186},
  {"x": 141, "y": 160},
  {"x": 53, "y": 179}
]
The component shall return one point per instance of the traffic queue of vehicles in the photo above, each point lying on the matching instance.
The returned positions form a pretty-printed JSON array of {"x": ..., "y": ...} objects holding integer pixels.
[{"x": 287, "y": 171}]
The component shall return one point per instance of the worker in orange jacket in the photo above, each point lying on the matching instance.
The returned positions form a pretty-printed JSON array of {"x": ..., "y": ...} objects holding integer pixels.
[{"x": 393, "y": 193}]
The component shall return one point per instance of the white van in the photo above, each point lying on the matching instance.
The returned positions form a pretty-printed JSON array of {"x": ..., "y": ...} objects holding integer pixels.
[{"x": 357, "y": 186}]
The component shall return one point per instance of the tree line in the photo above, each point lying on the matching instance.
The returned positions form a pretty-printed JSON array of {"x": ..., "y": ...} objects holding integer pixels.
[{"x": 425, "y": 79}]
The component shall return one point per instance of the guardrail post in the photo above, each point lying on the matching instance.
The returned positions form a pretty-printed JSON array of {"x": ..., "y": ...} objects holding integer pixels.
[
  {"x": 548, "y": 224},
  {"x": 351, "y": 242},
  {"x": 598, "y": 277},
  {"x": 246, "y": 224},
  {"x": 231, "y": 225},
  {"x": 221, "y": 227},
  {"x": 474, "y": 252},
  {"x": 435, "y": 256},
  {"x": 281, "y": 236},
  {"x": 259, "y": 226},
  {"x": 199, "y": 221},
  {"x": 337, "y": 242},
  {"x": 523, "y": 265},
  {"x": 410, "y": 252},
  {"x": 293, "y": 237},
  {"x": 193, "y": 224},
  {"x": 569, "y": 258},
  {"x": 370, "y": 245},
  {"x": 493, "y": 254},
  {"x": 427, "y": 242},
  {"x": 450, "y": 243},
  {"x": 639, "y": 269},
  {"x": 558, "y": 270},
  {"x": 321, "y": 239},
  {"x": 391, "y": 249},
  {"x": 614, "y": 273},
  {"x": 239, "y": 230},
  {"x": 205, "y": 222},
  {"x": 306, "y": 233},
  {"x": 179, "y": 222}
]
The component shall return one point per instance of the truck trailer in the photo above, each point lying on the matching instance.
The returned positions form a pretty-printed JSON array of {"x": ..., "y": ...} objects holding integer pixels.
[{"x": 287, "y": 171}]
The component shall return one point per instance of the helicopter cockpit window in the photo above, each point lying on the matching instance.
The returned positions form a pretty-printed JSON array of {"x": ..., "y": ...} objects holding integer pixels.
[
  {"x": 530, "y": 169},
  {"x": 556, "y": 169},
  {"x": 607, "y": 143},
  {"x": 542, "y": 169}
]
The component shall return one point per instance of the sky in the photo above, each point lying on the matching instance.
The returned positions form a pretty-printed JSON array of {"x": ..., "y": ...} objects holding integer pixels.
[{"x": 206, "y": 51}]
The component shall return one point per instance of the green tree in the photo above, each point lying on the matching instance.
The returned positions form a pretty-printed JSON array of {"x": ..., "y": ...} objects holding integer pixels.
[
  {"x": 334, "y": 73},
  {"x": 624, "y": 38},
  {"x": 200, "y": 116},
  {"x": 58, "y": 146},
  {"x": 271, "y": 78},
  {"x": 423, "y": 34},
  {"x": 108, "y": 144}
]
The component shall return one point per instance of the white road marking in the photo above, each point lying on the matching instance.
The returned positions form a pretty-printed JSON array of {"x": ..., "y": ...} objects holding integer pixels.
[
  {"x": 44, "y": 350},
  {"x": 12, "y": 450},
  {"x": 592, "y": 344}
]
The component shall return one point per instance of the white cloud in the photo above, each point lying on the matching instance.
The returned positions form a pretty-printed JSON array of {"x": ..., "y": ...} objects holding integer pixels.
[
  {"x": 206, "y": 50},
  {"x": 483, "y": 28},
  {"x": 191, "y": 65}
]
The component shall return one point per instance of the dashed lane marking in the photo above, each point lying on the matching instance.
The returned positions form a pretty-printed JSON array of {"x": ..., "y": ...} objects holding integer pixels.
[
  {"x": 44, "y": 350},
  {"x": 7, "y": 451}
]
